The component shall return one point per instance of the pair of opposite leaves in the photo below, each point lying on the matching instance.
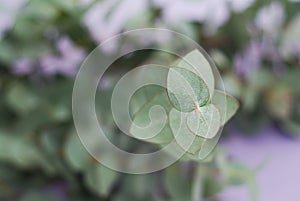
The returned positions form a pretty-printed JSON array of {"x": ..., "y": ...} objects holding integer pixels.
[{"x": 196, "y": 111}]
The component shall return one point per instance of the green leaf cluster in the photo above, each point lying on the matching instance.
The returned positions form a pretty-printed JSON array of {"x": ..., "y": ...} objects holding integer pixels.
[{"x": 195, "y": 110}]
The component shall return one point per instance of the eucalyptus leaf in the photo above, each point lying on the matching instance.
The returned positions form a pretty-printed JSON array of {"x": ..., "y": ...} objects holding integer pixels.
[
  {"x": 232, "y": 83},
  {"x": 139, "y": 187},
  {"x": 290, "y": 38},
  {"x": 211, "y": 186},
  {"x": 196, "y": 62},
  {"x": 205, "y": 121},
  {"x": 76, "y": 154},
  {"x": 291, "y": 79},
  {"x": 178, "y": 185},
  {"x": 151, "y": 119},
  {"x": 21, "y": 152},
  {"x": 208, "y": 146},
  {"x": 186, "y": 90},
  {"x": 21, "y": 98},
  {"x": 237, "y": 173},
  {"x": 226, "y": 104},
  {"x": 187, "y": 140},
  {"x": 100, "y": 179}
]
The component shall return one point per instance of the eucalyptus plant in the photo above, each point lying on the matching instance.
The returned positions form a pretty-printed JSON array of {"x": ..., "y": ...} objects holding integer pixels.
[
  {"x": 196, "y": 111},
  {"x": 42, "y": 44}
]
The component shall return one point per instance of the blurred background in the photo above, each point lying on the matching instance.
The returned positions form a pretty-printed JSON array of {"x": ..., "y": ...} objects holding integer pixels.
[{"x": 255, "y": 45}]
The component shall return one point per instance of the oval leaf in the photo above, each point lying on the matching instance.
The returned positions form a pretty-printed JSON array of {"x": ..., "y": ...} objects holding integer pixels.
[
  {"x": 188, "y": 141},
  {"x": 205, "y": 121},
  {"x": 150, "y": 119},
  {"x": 226, "y": 104},
  {"x": 186, "y": 90},
  {"x": 208, "y": 146},
  {"x": 196, "y": 62}
]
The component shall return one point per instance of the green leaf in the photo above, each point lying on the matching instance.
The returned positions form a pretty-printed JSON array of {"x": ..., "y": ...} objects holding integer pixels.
[
  {"x": 187, "y": 140},
  {"x": 226, "y": 104},
  {"x": 232, "y": 84},
  {"x": 186, "y": 90},
  {"x": 100, "y": 179},
  {"x": 136, "y": 187},
  {"x": 150, "y": 118},
  {"x": 40, "y": 10},
  {"x": 205, "y": 121},
  {"x": 208, "y": 146},
  {"x": 290, "y": 38},
  {"x": 291, "y": 79},
  {"x": 76, "y": 154},
  {"x": 21, "y": 98},
  {"x": 237, "y": 173},
  {"x": 211, "y": 186},
  {"x": 261, "y": 78},
  {"x": 193, "y": 123},
  {"x": 21, "y": 152},
  {"x": 7, "y": 52},
  {"x": 196, "y": 62},
  {"x": 178, "y": 185}
]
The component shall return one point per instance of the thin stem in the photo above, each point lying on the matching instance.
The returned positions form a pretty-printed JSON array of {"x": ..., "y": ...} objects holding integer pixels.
[{"x": 197, "y": 188}]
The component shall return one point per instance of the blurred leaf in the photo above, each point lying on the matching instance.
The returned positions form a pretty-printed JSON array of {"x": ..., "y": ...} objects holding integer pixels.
[
  {"x": 178, "y": 185},
  {"x": 32, "y": 121},
  {"x": 279, "y": 101},
  {"x": 7, "y": 52},
  {"x": 290, "y": 38},
  {"x": 51, "y": 141},
  {"x": 211, "y": 186},
  {"x": 236, "y": 173},
  {"x": 222, "y": 62},
  {"x": 42, "y": 10},
  {"x": 33, "y": 51},
  {"x": 262, "y": 78},
  {"x": 60, "y": 113},
  {"x": 250, "y": 98},
  {"x": 22, "y": 153},
  {"x": 100, "y": 179},
  {"x": 21, "y": 98},
  {"x": 232, "y": 84},
  {"x": 291, "y": 79},
  {"x": 76, "y": 154},
  {"x": 139, "y": 187},
  {"x": 26, "y": 29}
]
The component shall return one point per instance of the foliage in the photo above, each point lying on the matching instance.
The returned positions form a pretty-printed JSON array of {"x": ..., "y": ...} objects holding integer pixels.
[
  {"x": 42, "y": 44},
  {"x": 196, "y": 111}
]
